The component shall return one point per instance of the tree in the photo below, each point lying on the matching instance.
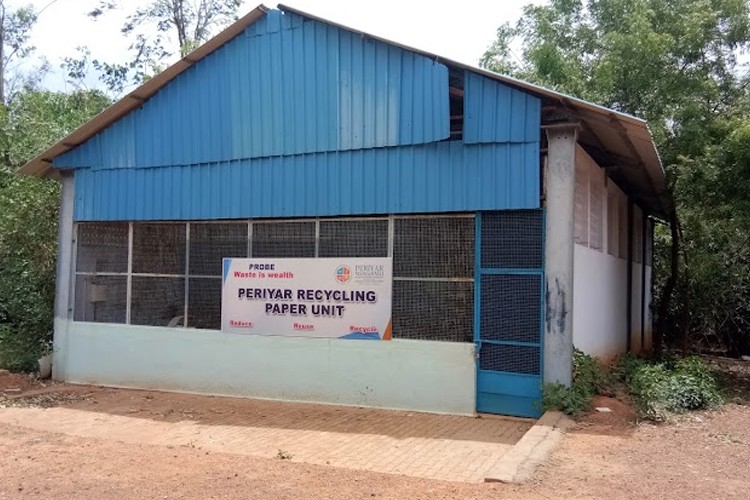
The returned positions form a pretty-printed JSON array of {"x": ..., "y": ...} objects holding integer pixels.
[
  {"x": 674, "y": 63},
  {"x": 151, "y": 28},
  {"x": 15, "y": 29},
  {"x": 31, "y": 121}
]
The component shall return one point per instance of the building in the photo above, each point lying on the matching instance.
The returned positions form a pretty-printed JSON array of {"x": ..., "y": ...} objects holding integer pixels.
[{"x": 518, "y": 220}]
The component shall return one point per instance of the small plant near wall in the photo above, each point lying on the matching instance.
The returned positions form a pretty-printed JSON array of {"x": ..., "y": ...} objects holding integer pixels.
[
  {"x": 589, "y": 379},
  {"x": 659, "y": 389}
]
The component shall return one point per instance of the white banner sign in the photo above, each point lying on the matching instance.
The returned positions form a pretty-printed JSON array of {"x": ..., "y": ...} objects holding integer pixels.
[{"x": 339, "y": 298}]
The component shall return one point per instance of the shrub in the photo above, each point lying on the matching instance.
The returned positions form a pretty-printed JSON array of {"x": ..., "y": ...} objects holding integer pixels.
[
  {"x": 673, "y": 386},
  {"x": 589, "y": 379}
]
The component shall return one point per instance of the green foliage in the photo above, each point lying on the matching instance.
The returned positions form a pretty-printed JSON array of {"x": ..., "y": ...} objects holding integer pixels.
[
  {"x": 589, "y": 379},
  {"x": 674, "y": 63},
  {"x": 659, "y": 389},
  {"x": 28, "y": 219}
]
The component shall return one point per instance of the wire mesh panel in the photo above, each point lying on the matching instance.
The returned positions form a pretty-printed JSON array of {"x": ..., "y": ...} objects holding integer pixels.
[
  {"x": 353, "y": 238},
  {"x": 510, "y": 308},
  {"x": 513, "y": 239},
  {"x": 100, "y": 299},
  {"x": 157, "y": 301},
  {"x": 204, "y": 303},
  {"x": 283, "y": 239},
  {"x": 102, "y": 247},
  {"x": 433, "y": 310},
  {"x": 510, "y": 358},
  {"x": 210, "y": 243},
  {"x": 159, "y": 248},
  {"x": 440, "y": 247}
]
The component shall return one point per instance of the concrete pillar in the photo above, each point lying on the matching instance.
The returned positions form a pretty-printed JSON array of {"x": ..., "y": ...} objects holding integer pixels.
[
  {"x": 558, "y": 258},
  {"x": 63, "y": 285}
]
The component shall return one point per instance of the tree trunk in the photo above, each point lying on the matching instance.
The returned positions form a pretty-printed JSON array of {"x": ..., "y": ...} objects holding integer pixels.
[{"x": 662, "y": 322}]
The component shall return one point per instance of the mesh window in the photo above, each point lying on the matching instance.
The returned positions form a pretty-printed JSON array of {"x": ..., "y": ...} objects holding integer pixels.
[
  {"x": 622, "y": 224},
  {"x": 283, "y": 239},
  {"x": 431, "y": 310},
  {"x": 434, "y": 247},
  {"x": 102, "y": 247},
  {"x": 159, "y": 248},
  {"x": 513, "y": 240},
  {"x": 204, "y": 303},
  {"x": 510, "y": 308},
  {"x": 100, "y": 299},
  {"x": 353, "y": 238},
  {"x": 510, "y": 358},
  {"x": 157, "y": 301},
  {"x": 210, "y": 243},
  {"x": 596, "y": 208}
]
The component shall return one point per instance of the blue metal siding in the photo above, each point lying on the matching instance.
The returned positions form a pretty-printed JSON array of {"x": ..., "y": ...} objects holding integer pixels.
[
  {"x": 437, "y": 177},
  {"x": 494, "y": 112},
  {"x": 288, "y": 85}
]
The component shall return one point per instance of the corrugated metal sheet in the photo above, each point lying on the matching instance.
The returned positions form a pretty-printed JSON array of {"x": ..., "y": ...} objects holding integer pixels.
[
  {"x": 494, "y": 112},
  {"x": 437, "y": 177},
  {"x": 287, "y": 85}
]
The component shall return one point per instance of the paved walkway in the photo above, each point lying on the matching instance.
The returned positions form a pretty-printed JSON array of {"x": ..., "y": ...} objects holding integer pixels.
[{"x": 414, "y": 444}]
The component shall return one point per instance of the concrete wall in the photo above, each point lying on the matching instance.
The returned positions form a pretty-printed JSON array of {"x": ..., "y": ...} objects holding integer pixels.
[
  {"x": 599, "y": 306},
  {"x": 400, "y": 374}
]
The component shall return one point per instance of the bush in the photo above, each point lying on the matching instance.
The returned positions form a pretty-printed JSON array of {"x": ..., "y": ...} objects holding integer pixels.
[
  {"x": 28, "y": 243},
  {"x": 673, "y": 386},
  {"x": 589, "y": 379}
]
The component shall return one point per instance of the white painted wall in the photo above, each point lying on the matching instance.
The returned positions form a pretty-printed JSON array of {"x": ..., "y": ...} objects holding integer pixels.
[
  {"x": 399, "y": 374},
  {"x": 599, "y": 305}
]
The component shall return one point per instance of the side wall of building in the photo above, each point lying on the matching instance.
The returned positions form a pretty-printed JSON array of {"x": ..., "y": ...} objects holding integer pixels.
[{"x": 600, "y": 309}]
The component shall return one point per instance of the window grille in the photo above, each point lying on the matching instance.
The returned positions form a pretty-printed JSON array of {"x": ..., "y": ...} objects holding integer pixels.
[
  {"x": 103, "y": 248},
  {"x": 613, "y": 219},
  {"x": 173, "y": 273},
  {"x": 512, "y": 240},
  {"x": 159, "y": 248},
  {"x": 353, "y": 238},
  {"x": 596, "y": 208},
  {"x": 283, "y": 239},
  {"x": 211, "y": 242},
  {"x": 581, "y": 200},
  {"x": 433, "y": 247},
  {"x": 100, "y": 299}
]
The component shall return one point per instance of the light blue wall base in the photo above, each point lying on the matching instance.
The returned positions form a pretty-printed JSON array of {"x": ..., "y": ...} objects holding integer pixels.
[{"x": 400, "y": 374}]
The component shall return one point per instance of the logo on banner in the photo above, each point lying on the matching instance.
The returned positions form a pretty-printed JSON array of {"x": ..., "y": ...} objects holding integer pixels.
[{"x": 343, "y": 274}]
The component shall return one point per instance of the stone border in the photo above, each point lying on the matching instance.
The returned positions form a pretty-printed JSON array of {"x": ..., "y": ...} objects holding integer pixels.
[{"x": 519, "y": 464}]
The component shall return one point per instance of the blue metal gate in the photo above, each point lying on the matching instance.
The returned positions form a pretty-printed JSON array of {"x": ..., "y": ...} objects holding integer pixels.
[{"x": 508, "y": 311}]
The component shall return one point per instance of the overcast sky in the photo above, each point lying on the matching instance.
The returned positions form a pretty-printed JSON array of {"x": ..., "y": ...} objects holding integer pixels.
[{"x": 459, "y": 30}]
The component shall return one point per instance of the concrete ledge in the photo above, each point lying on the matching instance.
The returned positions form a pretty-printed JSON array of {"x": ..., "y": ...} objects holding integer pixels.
[{"x": 519, "y": 464}]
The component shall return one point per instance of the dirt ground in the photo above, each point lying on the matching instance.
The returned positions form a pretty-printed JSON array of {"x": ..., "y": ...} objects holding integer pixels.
[{"x": 702, "y": 455}]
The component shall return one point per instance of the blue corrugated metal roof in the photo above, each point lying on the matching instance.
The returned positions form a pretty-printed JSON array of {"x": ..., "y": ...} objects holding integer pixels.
[
  {"x": 288, "y": 85},
  {"x": 438, "y": 177},
  {"x": 498, "y": 113}
]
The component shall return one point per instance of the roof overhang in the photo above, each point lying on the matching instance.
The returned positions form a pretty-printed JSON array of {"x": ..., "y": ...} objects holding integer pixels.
[{"x": 619, "y": 142}]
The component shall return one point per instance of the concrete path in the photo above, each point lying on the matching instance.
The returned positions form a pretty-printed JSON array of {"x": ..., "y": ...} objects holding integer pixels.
[{"x": 442, "y": 447}]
